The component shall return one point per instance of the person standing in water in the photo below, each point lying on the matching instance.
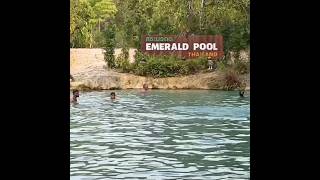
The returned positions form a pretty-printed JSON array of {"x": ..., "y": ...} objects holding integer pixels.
[{"x": 75, "y": 95}]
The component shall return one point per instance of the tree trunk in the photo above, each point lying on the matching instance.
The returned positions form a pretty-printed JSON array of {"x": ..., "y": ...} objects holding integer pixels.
[
  {"x": 99, "y": 24},
  {"x": 201, "y": 14}
]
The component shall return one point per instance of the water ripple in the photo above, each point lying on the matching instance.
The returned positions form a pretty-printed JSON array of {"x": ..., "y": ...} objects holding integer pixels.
[{"x": 164, "y": 135}]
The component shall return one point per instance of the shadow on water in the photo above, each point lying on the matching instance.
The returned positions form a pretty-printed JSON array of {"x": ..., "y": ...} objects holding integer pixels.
[{"x": 163, "y": 135}]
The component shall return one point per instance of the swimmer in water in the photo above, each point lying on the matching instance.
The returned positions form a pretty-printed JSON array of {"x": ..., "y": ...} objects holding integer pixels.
[
  {"x": 145, "y": 87},
  {"x": 242, "y": 90},
  {"x": 112, "y": 95},
  {"x": 75, "y": 95},
  {"x": 241, "y": 93}
]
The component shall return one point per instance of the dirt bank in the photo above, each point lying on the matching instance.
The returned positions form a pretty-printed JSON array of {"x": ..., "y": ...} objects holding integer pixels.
[{"x": 90, "y": 72}]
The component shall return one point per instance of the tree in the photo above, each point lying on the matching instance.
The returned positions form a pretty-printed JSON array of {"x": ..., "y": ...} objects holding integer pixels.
[
  {"x": 109, "y": 34},
  {"x": 80, "y": 15},
  {"x": 86, "y": 17},
  {"x": 133, "y": 18}
]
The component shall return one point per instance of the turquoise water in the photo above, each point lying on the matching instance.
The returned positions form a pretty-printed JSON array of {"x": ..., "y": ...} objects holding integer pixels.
[{"x": 166, "y": 134}]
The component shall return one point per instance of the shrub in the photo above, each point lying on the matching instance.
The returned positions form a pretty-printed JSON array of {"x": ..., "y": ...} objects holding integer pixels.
[
  {"x": 122, "y": 62},
  {"x": 231, "y": 80},
  {"x": 242, "y": 67},
  {"x": 164, "y": 66},
  {"x": 222, "y": 66},
  {"x": 139, "y": 56},
  {"x": 174, "y": 66},
  {"x": 110, "y": 45}
]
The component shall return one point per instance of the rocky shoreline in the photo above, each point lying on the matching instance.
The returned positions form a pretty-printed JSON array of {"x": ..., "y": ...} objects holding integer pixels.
[
  {"x": 90, "y": 72},
  {"x": 114, "y": 80}
]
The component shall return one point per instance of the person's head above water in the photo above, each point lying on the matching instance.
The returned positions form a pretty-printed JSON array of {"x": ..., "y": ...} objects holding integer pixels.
[
  {"x": 241, "y": 93},
  {"x": 113, "y": 95},
  {"x": 75, "y": 93},
  {"x": 145, "y": 86}
]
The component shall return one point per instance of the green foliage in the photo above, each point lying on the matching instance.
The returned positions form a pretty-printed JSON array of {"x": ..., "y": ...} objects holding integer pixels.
[
  {"x": 122, "y": 62},
  {"x": 80, "y": 31},
  {"x": 133, "y": 18},
  {"x": 236, "y": 38},
  {"x": 88, "y": 18},
  {"x": 222, "y": 65},
  {"x": 242, "y": 67},
  {"x": 110, "y": 44},
  {"x": 229, "y": 18},
  {"x": 166, "y": 66}
]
